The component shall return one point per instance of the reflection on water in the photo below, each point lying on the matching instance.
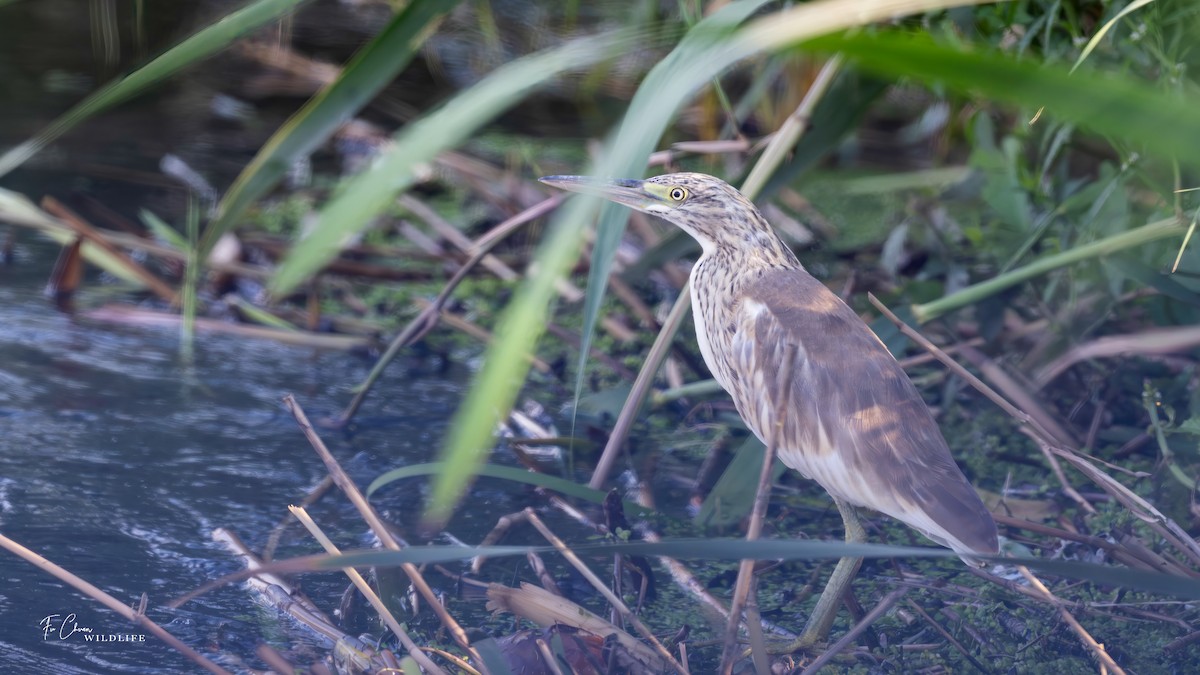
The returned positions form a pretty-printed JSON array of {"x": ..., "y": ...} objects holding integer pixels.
[{"x": 116, "y": 462}]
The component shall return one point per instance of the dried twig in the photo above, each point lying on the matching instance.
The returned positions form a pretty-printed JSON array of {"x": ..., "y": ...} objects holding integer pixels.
[
  {"x": 377, "y": 526},
  {"x": 363, "y": 587},
  {"x": 599, "y": 585},
  {"x": 1096, "y": 648},
  {"x": 641, "y": 386},
  {"x": 947, "y": 636},
  {"x": 427, "y": 319},
  {"x": 85, "y": 230}
]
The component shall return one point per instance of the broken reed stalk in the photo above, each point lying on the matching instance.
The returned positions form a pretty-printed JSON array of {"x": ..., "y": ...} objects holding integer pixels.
[
  {"x": 784, "y": 140},
  {"x": 427, "y": 319},
  {"x": 754, "y": 530},
  {"x": 137, "y": 618},
  {"x": 1043, "y": 438},
  {"x": 363, "y": 587},
  {"x": 617, "y": 603},
  {"x": 377, "y": 526},
  {"x": 85, "y": 230}
]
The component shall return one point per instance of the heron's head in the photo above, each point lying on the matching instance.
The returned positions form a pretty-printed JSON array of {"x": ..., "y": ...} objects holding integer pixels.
[{"x": 712, "y": 211}]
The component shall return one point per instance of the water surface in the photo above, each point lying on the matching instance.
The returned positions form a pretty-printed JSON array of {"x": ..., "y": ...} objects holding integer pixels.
[{"x": 117, "y": 461}]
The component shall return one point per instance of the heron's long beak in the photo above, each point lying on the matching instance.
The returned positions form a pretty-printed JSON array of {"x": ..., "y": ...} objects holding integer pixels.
[{"x": 631, "y": 193}]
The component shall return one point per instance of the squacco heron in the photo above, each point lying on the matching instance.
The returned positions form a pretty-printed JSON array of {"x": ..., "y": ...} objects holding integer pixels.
[{"x": 855, "y": 422}]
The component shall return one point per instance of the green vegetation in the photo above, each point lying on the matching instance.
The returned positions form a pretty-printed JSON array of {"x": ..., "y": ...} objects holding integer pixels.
[{"x": 1016, "y": 179}]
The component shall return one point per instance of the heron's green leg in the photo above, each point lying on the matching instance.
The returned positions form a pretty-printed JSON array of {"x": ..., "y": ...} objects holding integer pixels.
[{"x": 821, "y": 619}]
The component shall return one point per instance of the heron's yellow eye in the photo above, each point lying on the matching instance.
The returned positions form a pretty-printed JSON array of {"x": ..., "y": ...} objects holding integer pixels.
[{"x": 678, "y": 194}]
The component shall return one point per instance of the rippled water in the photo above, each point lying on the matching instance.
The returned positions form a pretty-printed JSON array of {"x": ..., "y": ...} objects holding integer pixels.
[{"x": 117, "y": 462}]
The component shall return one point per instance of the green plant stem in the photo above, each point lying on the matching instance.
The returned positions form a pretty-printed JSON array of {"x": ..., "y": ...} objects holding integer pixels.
[
  {"x": 1097, "y": 249},
  {"x": 698, "y": 388},
  {"x": 1150, "y": 401}
]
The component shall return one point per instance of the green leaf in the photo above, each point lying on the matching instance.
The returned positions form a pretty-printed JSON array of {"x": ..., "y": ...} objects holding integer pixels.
[
  {"x": 732, "y": 498},
  {"x": 372, "y": 68},
  {"x": 1102, "y": 247},
  {"x": 509, "y": 473},
  {"x": 1120, "y": 106},
  {"x": 195, "y": 48},
  {"x": 369, "y": 193},
  {"x": 1169, "y": 585},
  {"x": 167, "y": 234},
  {"x": 1144, "y": 274}
]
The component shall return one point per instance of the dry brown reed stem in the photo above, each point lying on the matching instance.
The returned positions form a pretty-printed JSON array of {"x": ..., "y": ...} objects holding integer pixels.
[
  {"x": 1021, "y": 397},
  {"x": 1025, "y": 401},
  {"x": 754, "y": 631},
  {"x": 784, "y": 140},
  {"x": 133, "y": 243},
  {"x": 137, "y": 618},
  {"x": 1044, "y": 440},
  {"x": 1168, "y": 529},
  {"x": 463, "y": 325},
  {"x": 1125, "y": 555},
  {"x": 1096, "y": 648},
  {"x": 83, "y": 229},
  {"x": 1020, "y": 415},
  {"x": 503, "y": 525},
  {"x": 1155, "y": 341},
  {"x": 133, "y": 316},
  {"x": 363, "y": 587},
  {"x": 446, "y": 229},
  {"x": 680, "y": 574},
  {"x": 937, "y": 627},
  {"x": 277, "y": 590},
  {"x": 427, "y": 319},
  {"x": 758, "y": 513},
  {"x": 846, "y": 640},
  {"x": 449, "y": 232},
  {"x": 641, "y": 386},
  {"x": 453, "y": 658},
  {"x": 318, "y": 491},
  {"x": 377, "y": 525},
  {"x": 600, "y": 587}
]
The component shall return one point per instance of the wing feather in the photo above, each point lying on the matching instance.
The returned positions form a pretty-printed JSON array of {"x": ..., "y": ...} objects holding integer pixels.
[{"x": 855, "y": 422}]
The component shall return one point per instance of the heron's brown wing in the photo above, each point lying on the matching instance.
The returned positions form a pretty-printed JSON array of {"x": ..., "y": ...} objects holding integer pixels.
[{"x": 855, "y": 422}]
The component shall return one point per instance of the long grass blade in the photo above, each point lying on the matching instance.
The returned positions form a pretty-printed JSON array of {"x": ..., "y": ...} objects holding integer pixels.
[
  {"x": 1091, "y": 45},
  {"x": 1168, "y": 585},
  {"x": 369, "y": 193},
  {"x": 193, "y": 49},
  {"x": 370, "y": 70},
  {"x": 1165, "y": 123}
]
